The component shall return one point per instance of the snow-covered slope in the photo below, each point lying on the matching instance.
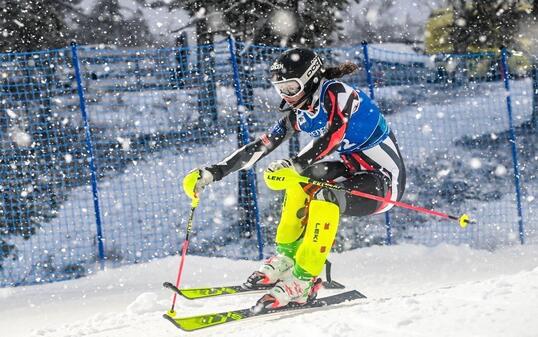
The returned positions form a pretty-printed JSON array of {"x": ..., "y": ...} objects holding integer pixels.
[{"x": 412, "y": 291}]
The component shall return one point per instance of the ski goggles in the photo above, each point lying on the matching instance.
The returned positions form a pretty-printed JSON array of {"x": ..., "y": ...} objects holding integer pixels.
[{"x": 289, "y": 88}]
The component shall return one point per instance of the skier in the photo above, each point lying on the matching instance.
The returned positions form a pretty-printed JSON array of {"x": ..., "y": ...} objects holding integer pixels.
[{"x": 341, "y": 119}]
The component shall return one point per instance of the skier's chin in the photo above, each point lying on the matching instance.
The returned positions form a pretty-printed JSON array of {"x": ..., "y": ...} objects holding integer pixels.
[{"x": 300, "y": 105}]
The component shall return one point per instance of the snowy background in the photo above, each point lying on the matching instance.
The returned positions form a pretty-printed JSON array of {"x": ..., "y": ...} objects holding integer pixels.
[
  {"x": 158, "y": 106},
  {"x": 149, "y": 127}
]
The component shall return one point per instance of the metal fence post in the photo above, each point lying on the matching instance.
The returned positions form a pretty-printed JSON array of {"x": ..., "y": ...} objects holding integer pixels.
[
  {"x": 251, "y": 175},
  {"x": 89, "y": 149},
  {"x": 535, "y": 94},
  {"x": 368, "y": 69},
  {"x": 506, "y": 78}
]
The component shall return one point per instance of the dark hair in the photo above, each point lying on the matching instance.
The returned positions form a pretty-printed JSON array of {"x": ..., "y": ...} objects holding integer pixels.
[{"x": 340, "y": 70}]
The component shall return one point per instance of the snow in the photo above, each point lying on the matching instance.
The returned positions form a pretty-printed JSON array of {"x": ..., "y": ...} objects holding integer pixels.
[
  {"x": 500, "y": 170},
  {"x": 21, "y": 138},
  {"x": 412, "y": 291},
  {"x": 283, "y": 23},
  {"x": 390, "y": 20},
  {"x": 160, "y": 21},
  {"x": 475, "y": 163}
]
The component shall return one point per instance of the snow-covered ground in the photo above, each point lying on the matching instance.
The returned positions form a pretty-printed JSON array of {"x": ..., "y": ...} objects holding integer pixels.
[{"x": 412, "y": 291}]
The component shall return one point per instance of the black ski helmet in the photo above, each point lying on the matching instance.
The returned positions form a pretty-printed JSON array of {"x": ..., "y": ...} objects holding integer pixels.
[{"x": 296, "y": 74}]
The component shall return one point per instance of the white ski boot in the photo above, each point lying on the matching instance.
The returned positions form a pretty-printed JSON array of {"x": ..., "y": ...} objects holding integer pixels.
[
  {"x": 274, "y": 269},
  {"x": 291, "y": 290}
]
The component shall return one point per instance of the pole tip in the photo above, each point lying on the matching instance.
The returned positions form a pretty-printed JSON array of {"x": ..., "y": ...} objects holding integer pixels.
[
  {"x": 464, "y": 220},
  {"x": 171, "y": 313}
]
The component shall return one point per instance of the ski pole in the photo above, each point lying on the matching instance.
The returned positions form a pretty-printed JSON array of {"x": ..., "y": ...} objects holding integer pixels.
[
  {"x": 194, "y": 203},
  {"x": 282, "y": 175}
]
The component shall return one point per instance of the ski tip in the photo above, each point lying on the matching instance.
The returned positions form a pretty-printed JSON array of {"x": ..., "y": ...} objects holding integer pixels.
[
  {"x": 181, "y": 292},
  {"x": 170, "y": 286},
  {"x": 358, "y": 294},
  {"x": 173, "y": 321}
]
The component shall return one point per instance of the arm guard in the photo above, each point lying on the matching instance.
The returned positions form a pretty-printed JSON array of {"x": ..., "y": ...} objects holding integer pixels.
[{"x": 249, "y": 154}]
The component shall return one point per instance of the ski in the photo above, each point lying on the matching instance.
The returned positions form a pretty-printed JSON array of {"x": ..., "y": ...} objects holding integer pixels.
[
  {"x": 195, "y": 323},
  {"x": 198, "y": 293}
]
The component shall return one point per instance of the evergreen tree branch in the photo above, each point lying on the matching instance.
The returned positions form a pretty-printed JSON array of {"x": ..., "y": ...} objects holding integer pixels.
[{"x": 205, "y": 17}]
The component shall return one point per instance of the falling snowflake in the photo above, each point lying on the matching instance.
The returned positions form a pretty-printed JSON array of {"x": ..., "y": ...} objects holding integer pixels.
[
  {"x": 475, "y": 163},
  {"x": 125, "y": 143},
  {"x": 500, "y": 170},
  {"x": 11, "y": 114},
  {"x": 443, "y": 173},
  {"x": 283, "y": 23},
  {"x": 426, "y": 129},
  {"x": 21, "y": 138},
  {"x": 230, "y": 200}
]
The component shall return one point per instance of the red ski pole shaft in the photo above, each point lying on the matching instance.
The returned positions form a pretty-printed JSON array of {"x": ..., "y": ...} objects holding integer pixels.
[
  {"x": 403, "y": 205},
  {"x": 463, "y": 220},
  {"x": 279, "y": 179},
  {"x": 184, "y": 248}
]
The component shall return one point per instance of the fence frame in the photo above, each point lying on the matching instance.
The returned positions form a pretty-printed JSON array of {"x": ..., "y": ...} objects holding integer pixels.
[
  {"x": 371, "y": 88},
  {"x": 91, "y": 162},
  {"x": 512, "y": 140},
  {"x": 245, "y": 139}
]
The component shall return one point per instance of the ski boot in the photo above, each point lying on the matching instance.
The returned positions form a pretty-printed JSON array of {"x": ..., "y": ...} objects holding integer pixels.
[
  {"x": 291, "y": 291},
  {"x": 273, "y": 270}
]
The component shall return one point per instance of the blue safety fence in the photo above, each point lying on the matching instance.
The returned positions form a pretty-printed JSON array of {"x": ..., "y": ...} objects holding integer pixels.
[
  {"x": 449, "y": 113},
  {"x": 47, "y": 225},
  {"x": 94, "y": 144}
]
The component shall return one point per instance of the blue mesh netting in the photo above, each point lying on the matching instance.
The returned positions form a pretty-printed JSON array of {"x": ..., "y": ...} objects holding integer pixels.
[
  {"x": 156, "y": 114},
  {"x": 48, "y": 230},
  {"x": 443, "y": 109}
]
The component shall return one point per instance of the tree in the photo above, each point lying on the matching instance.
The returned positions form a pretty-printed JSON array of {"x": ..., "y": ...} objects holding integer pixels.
[
  {"x": 34, "y": 24},
  {"x": 373, "y": 21},
  {"x": 285, "y": 22},
  {"x": 110, "y": 26},
  {"x": 485, "y": 24},
  {"x": 534, "y": 51}
]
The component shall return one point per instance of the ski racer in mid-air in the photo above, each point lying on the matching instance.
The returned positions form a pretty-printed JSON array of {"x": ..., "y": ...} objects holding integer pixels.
[{"x": 339, "y": 118}]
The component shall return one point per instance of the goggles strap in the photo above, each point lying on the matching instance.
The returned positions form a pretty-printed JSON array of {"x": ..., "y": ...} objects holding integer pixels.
[{"x": 315, "y": 65}]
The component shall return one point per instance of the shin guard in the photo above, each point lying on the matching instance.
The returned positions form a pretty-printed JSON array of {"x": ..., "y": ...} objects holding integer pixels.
[
  {"x": 290, "y": 227},
  {"x": 323, "y": 219}
]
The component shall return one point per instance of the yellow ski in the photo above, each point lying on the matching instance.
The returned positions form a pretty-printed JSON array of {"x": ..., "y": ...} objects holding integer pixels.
[{"x": 194, "y": 323}]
